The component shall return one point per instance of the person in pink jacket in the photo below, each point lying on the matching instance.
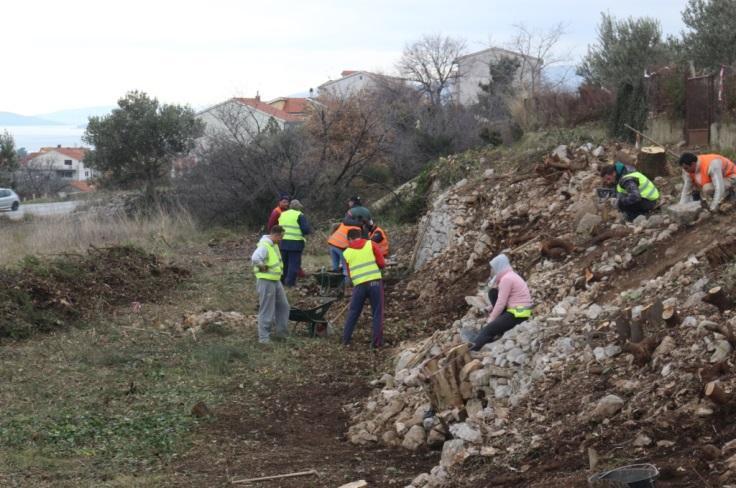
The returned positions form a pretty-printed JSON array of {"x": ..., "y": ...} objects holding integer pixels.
[{"x": 512, "y": 302}]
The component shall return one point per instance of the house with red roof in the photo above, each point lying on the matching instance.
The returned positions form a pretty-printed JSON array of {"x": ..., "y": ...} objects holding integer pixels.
[
  {"x": 247, "y": 117},
  {"x": 66, "y": 163}
]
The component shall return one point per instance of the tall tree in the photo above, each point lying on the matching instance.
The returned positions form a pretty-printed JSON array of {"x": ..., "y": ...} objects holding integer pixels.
[
  {"x": 138, "y": 141},
  {"x": 711, "y": 36},
  {"x": 431, "y": 63},
  {"x": 8, "y": 155},
  {"x": 540, "y": 50},
  {"x": 625, "y": 48}
]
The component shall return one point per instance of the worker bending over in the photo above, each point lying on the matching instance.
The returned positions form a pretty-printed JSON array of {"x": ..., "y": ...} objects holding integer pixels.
[
  {"x": 708, "y": 177},
  {"x": 364, "y": 261},
  {"x": 635, "y": 193},
  {"x": 379, "y": 236},
  {"x": 273, "y": 306},
  {"x": 512, "y": 304}
]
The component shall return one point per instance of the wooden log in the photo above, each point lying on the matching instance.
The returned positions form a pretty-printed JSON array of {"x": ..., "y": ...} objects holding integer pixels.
[
  {"x": 311, "y": 472},
  {"x": 637, "y": 330},
  {"x": 712, "y": 372},
  {"x": 717, "y": 394},
  {"x": 442, "y": 374},
  {"x": 671, "y": 317},
  {"x": 643, "y": 350},
  {"x": 556, "y": 248},
  {"x": 651, "y": 315},
  {"x": 622, "y": 327},
  {"x": 725, "y": 330},
  {"x": 652, "y": 161},
  {"x": 717, "y": 296}
]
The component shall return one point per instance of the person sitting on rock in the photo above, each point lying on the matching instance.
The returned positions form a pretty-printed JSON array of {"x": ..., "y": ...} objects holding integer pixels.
[
  {"x": 708, "y": 177},
  {"x": 512, "y": 304},
  {"x": 635, "y": 193}
]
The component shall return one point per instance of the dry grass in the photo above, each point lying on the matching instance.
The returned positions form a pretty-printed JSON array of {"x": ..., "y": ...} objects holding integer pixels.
[{"x": 159, "y": 232}]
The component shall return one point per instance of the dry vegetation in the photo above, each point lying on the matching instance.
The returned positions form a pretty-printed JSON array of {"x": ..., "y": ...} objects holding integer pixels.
[{"x": 158, "y": 232}]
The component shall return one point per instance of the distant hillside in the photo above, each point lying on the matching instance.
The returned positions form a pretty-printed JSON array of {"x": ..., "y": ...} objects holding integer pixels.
[
  {"x": 77, "y": 117},
  {"x": 11, "y": 119}
]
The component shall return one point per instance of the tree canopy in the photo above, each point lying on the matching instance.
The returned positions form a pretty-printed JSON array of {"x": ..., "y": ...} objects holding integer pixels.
[
  {"x": 138, "y": 141},
  {"x": 710, "y": 38}
]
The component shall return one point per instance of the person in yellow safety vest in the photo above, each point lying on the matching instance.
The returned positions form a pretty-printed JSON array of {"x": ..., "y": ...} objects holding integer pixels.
[
  {"x": 273, "y": 306},
  {"x": 295, "y": 226},
  {"x": 511, "y": 302},
  {"x": 379, "y": 236},
  {"x": 364, "y": 261},
  {"x": 709, "y": 177},
  {"x": 635, "y": 193}
]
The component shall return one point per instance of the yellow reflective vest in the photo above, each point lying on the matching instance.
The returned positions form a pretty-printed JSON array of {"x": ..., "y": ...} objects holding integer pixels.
[
  {"x": 362, "y": 264},
  {"x": 647, "y": 190},
  {"x": 289, "y": 220},
  {"x": 275, "y": 266}
]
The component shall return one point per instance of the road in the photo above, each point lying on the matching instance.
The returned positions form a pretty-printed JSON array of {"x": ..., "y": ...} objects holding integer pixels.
[{"x": 43, "y": 209}]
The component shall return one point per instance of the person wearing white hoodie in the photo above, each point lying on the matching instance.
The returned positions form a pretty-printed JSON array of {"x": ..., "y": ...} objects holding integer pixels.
[
  {"x": 273, "y": 306},
  {"x": 511, "y": 305}
]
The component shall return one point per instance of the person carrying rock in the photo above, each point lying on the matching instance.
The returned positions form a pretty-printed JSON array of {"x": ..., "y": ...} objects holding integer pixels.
[
  {"x": 273, "y": 306},
  {"x": 635, "y": 193},
  {"x": 364, "y": 261},
  {"x": 511, "y": 303},
  {"x": 708, "y": 176},
  {"x": 295, "y": 226}
]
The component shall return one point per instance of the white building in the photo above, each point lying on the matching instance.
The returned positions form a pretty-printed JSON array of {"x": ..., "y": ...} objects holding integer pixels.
[
  {"x": 244, "y": 118},
  {"x": 473, "y": 69},
  {"x": 66, "y": 162},
  {"x": 352, "y": 82}
]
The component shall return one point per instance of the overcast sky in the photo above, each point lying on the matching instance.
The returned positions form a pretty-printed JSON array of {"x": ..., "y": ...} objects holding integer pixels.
[{"x": 78, "y": 53}]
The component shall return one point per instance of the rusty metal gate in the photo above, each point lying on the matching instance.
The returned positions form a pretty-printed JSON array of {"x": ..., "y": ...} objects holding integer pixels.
[{"x": 699, "y": 98}]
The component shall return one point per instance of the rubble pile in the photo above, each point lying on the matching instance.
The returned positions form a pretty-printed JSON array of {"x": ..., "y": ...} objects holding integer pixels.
[{"x": 624, "y": 359}]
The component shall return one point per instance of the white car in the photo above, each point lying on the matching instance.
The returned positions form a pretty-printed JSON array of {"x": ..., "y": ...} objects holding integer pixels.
[{"x": 9, "y": 200}]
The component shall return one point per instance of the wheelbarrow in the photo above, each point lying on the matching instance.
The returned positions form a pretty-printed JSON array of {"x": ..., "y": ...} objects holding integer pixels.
[
  {"x": 314, "y": 317},
  {"x": 329, "y": 280}
]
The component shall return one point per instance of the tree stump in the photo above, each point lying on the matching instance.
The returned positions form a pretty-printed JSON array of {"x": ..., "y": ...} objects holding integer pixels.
[
  {"x": 443, "y": 374},
  {"x": 671, "y": 317},
  {"x": 652, "y": 161},
  {"x": 717, "y": 394},
  {"x": 718, "y": 297}
]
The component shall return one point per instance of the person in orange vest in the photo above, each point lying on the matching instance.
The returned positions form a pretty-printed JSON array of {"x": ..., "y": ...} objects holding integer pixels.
[
  {"x": 338, "y": 242},
  {"x": 364, "y": 262},
  {"x": 282, "y": 206},
  {"x": 379, "y": 236},
  {"x": 708, "y": 176}
]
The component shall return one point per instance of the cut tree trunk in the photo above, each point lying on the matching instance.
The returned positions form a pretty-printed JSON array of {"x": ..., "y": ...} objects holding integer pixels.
[
  {"x": 652, "y": 161},
  {"x": 651, "y": 315},
  {"x": 717, "y": 394},
  {"x": 671, "y": 317},
  {"x": 445, "y": 386},
  {"x": 712, "y": 372},
  {"x": 718, "y": 297},
  {"x": 643, "y": 350}
]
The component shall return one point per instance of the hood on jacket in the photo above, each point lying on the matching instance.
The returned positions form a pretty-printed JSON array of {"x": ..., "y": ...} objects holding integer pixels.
[
  {"x": 265, "y": 240},
  {"x": 499, "y": 264}
]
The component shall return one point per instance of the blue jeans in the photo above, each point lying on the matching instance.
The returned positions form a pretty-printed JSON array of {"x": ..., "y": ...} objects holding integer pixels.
[
  {"x": 338, "y": 260},
  {"x": 372, "y": 291},
  {"x": 292, "y": 263}
]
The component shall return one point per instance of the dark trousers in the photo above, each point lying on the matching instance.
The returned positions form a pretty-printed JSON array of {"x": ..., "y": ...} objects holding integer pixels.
[
  {"x": 373, "y": 291},
  {"x": 642, "y": 207},
  {"x": 494, "y": 330},
  {"x": 292, "y": 264}
]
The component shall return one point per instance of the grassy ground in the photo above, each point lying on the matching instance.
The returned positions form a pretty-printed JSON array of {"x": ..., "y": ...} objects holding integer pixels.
[{"x": 110, "y": 403}]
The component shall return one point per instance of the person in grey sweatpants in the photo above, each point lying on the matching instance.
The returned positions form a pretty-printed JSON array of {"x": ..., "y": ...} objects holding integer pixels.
[{"x": 273, "y": 306}]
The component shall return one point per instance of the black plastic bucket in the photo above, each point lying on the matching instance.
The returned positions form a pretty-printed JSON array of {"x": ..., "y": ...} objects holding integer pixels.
[{"x": 633, "y": 476}]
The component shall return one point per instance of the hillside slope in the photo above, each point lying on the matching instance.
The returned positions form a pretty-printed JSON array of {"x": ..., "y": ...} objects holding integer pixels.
[{"x": 597, "y": 379}]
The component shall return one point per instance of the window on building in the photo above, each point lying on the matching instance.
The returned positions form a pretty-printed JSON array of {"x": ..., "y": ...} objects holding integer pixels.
[
  {"x": 65, "y": 173},
  {"x": 68, "y": 162}
]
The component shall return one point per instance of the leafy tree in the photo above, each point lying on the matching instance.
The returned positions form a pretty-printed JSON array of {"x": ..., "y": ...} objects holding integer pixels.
[
  {"x": 711, "y": 36},
  {"x": 8, "y": 156},
  {"x": 494, "y": 95},
  {"x": 431, "y": 63},
  {"x": 624, "y": 50},
  {"x": 138, "y": 141}
]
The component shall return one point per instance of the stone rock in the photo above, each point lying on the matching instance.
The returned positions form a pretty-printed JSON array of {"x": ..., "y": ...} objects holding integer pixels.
[
  {"x": 414, "y": 438},
  {"x": 394, "y": 407},
  {"x": 453, "y": 452},
  {"x": 690, "y": 321},
  {"x": 642, "y": 440},
  {"x": 560, "y": 152},
  {"x": 612, "y": 350},
  {"x": 656, "y": 220},
  {"x": 665, "y": 347},
  {"x": 684, "y": 213},
  {"x": 361, "y": 437},
  {"x": 607, "y": 407},
  {"x": 640, "y": 220},
  {"x": 565, "y": 345},
  {"x": 723, "y": 350},
  {"x": 598, "y": 151},
  {"x": 600, "y": 354},
  {"x": 436, "y": 437},
  {"x": 480, "y": 377},
  {"x": 474, "y": 408},
  {"x": 391, "y": 438},
  {"x": 466, "y": 432},
  {"x": 593, "y": 311},
  {"x": 588, "y": 223}
]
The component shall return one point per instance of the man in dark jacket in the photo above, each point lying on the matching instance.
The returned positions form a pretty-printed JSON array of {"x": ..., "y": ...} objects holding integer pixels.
[
  {"x": 357, "y": 214},
  {"x": 635, "y": 193},
  {"x": 282, "y": 206}
]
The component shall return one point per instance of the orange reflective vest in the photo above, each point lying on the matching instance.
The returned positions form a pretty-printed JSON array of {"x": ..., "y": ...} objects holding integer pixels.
[
  {"x": 339, "y": 238},
  {"x": 729, "y": 169},
  {"x": 383, "y": 245}
]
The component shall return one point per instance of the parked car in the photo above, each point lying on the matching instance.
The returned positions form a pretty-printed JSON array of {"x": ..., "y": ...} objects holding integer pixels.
[{"x": 9, "y": 200}]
